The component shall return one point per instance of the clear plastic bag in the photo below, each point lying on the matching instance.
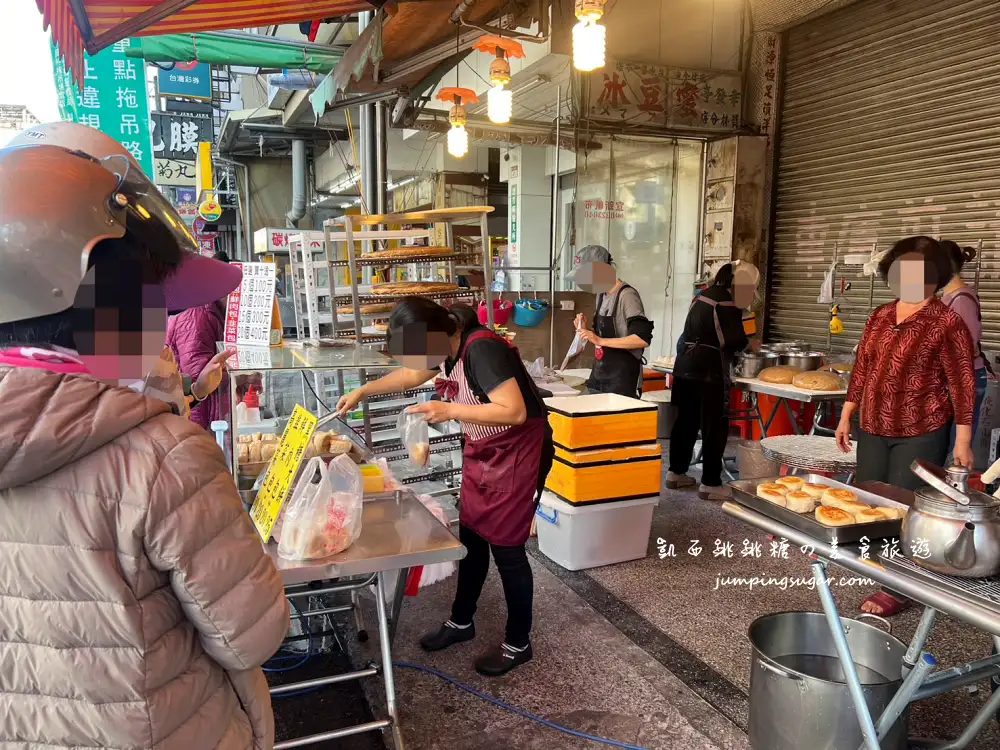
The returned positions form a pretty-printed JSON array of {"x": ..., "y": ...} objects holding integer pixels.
[
  {"x": 323, "y": 517},
  {"x": 415, "y": 437}
]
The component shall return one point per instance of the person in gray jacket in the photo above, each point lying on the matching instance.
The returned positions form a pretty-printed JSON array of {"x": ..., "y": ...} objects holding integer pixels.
[{"x": 136, "y": 601}]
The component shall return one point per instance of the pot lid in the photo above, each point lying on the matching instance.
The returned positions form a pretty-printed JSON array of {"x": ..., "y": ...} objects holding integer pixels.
[{"x": 949, "y": 485}]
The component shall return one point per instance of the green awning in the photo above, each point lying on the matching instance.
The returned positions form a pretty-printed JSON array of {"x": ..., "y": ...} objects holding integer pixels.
[{"x": 228, "y": 48}]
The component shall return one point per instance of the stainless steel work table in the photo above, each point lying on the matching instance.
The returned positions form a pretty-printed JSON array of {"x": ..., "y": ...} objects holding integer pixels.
[
  {"x": 397, "y": 533},
  {"x": 976, "y": 602}
]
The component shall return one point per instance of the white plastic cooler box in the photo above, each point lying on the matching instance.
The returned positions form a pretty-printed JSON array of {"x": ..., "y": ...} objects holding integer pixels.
[{"x": 578, "y": 537}]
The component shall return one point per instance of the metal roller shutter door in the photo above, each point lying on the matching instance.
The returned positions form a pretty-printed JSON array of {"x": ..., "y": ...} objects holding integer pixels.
[{"x": 890, "y": 127}]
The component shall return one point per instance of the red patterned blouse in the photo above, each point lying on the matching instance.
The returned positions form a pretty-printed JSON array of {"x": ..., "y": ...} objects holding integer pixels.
[{"x": 916, "y": 377}]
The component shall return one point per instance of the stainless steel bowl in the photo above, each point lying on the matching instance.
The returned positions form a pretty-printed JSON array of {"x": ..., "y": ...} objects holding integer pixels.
[
  {"x": 750, "y": 364},
  {"x": 802, "y": 360},
  {"x": 786, "y": 347}
]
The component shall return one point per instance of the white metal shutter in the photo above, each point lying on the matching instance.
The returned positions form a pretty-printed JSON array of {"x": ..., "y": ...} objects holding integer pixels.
[{"x": 890, "y": 127}]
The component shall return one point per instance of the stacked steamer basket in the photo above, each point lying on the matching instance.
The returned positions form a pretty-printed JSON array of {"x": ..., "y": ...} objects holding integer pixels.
[{"x": 605, "y": 481}]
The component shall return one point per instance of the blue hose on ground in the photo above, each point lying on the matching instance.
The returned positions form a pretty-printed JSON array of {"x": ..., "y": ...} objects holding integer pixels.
[
  {"x": 301, "y": 661},
  {"x": 506, "y": 707}
]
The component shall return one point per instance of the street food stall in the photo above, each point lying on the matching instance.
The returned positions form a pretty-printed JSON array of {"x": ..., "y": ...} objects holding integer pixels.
[{"x": 849, "y": 682}]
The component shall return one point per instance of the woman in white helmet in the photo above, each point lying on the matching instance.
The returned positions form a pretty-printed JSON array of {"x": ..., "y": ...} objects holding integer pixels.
[{"x": 136, "y": 601}]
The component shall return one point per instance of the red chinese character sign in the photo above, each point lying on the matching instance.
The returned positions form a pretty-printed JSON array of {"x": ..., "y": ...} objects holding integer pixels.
[
  {"x": 664, "y": 97},
  {"x": 249, "y": 307}
]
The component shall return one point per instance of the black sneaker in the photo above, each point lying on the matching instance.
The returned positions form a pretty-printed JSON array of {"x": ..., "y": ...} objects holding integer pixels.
[
  {"x": 502, "y": 660},
  {"x": 447, "y": 635}
]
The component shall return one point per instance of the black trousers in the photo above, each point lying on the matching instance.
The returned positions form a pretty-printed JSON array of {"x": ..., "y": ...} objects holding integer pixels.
[
  {"x": 705, "y": 407},
  {"x": 515, "y": 573},
  {"x": 888, "y": 459}
]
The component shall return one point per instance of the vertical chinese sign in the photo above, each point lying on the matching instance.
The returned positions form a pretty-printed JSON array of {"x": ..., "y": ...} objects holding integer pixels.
[{"x": 112, "y": 99}]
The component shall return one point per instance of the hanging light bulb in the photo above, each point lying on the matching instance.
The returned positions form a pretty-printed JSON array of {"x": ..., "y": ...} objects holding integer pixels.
[
  {"x": 499, "y": 104},
  {"x": 458, "y": 136},
  {"x": 499, "y": 99},
  {"x": 589, "y": 36}
]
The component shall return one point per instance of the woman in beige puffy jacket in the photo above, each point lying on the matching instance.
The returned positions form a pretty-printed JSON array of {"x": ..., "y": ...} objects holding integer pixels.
[{"x": 136, "y": 602}]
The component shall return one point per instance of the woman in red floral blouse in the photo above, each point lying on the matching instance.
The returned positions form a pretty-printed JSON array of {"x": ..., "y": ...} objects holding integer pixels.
[
  {"x": 913, "y": 378},
  {"x": 914, "y": 375}
]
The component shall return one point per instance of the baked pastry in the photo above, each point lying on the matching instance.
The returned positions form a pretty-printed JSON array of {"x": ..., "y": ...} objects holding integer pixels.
[
  {"x": 773, "y": 493},
  {"x": 243, "y": 453},
  {"x": 255, "y": 454},
  {"x": 780, "y": 375},
  {"x": 792, "y": 483},
  {"x": 800, "y": 502},
  {"x": 330, "y": 444},
  {"x": 852, "y": 508},
  {"x": 269, "y": 437},
  {"x": 835, "y": 497},
  {"x": 870, "y": 515},
  {"x": 420, "y": 454},
  {"x": 396, "y": 253},
  {"x": 373, "y": 309},
  {"x": 244, "y": 439},
  {"x": 829, "y": 516},
  {"x": 815, "y": 491},
  {"x": 381, "y": 327},
  {"x": 402, "y": 288},
  {"x": 267, "y": 451},
  {"x": 819, "y": 381},
  {"x": 893, "y": 514}
]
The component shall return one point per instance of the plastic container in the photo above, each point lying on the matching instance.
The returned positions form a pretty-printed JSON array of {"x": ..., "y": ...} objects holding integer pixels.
[
  {"x": 502, "y": 310},
  {"x": 251, "y": 413},
  {"x": 589, "y": 536},
  {"x": 529, "y": 313}
]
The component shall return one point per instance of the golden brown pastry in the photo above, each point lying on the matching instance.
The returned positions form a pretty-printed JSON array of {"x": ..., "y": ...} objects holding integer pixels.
[
  {"x": 267, "y": 451},
  {"x": 829, "y": 516},
  {"x": 835, "y": 497},
  {"x": 413, "y": 287},
  {"x": 269, "y": 437},
  {"x": 869, "y": 515},
  {"x": 396, "y": 253},
  {"x": 420, "y": 454},
  {"x": 773, "y": 493},
  {"x": 893, "y": 514},
  {"x": 819, "y": 381},
  {"x": 372, "y": 309},
  {"x": 815, "y": 491},
  {"x": 243, "y": 453},
  {"x": 792, "y": 483},
  {"x": 800, "y": 502},
  {"x": 381, "y": 327},
  {"x": 255, "y": 455},
  {"x": 244, "y": 439},
  {"x": 780, "y": 375},
  {"x": 852, "y": 508}
]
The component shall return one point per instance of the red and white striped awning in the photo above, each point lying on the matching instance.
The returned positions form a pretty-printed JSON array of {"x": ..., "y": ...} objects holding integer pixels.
[{"x": 93, "y": 25}]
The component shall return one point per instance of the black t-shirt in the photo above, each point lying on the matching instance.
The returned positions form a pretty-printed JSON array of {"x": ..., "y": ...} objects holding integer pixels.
[{"x": 490, "y": 363}]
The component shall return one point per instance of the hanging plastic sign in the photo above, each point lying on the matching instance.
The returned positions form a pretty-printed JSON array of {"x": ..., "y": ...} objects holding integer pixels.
[
  {"x": 210, "y": 210},
  {"x": 250, "y": 307},
  {"x": 282, "y": 470}
]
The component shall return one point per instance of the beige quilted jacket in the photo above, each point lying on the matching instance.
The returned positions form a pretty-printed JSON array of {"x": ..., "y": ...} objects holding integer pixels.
[{"x": 136, "y": 603}]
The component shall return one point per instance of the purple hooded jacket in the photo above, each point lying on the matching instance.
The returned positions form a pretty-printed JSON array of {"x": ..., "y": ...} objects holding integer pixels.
[{"x": 192, "y": 336}]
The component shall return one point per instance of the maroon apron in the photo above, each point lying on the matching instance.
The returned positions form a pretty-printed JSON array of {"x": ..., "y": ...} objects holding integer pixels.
[{"x": 502, "y": 467}]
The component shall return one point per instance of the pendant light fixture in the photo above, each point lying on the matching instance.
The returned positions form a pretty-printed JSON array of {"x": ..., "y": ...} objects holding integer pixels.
[
  {"x": 500, "y": 100},
  {"x": 589, "y": 36},
  {"x": 458, "y": 136}
]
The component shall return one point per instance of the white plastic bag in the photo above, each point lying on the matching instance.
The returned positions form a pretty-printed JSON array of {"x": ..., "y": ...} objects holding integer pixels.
[
  {"x": 437, "y": 571},
  {"x": 415, "y": 436},
  {"x": 826, "y": 290},
  {"x": 574, "y": 348},
  {"x": 323, "y": 517}
]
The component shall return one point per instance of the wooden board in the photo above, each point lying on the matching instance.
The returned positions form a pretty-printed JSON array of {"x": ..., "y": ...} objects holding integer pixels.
[{"x": 420, "y": 217}]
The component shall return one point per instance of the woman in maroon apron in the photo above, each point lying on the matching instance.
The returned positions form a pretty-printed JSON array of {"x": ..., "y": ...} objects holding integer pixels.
[{"x": 507, "y": 455}]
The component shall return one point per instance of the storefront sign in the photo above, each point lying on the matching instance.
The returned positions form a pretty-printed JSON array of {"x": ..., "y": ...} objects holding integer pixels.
[
  {"x": 112, "y": 100},
  {"x": 601, "y": 210},
  {"x": 210, "y": 210},
  {"x": 270, "y": 240},
  {"x": 249, "y": 308},
  {"x": 282, "y": 470},
  {"x": 190, "y": 80},
  {"x": 177, "y": 136},
  {"x": 661, "y": 96},
  {"x": 250, "y": 358},
  {"x": 174, "y": 172}
]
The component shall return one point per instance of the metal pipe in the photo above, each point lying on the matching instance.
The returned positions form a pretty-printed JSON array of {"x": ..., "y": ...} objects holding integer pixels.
[
  {"x": 555, "y": 236},
  {"x": 958, "y": 677},
  {"x": 987, "y": 712},
  {"x": 325, "y": 611},
  {"x": 322, "y": 681},
  {"x": 868, "y": 732},
  {"x": 904, "y": 695},
  {"x": 456, "y": 15},
  {"x": 387, "y": 676},
  {"x": 919, "y": 638},
  {"x": 336, "y": 734},
  {"x": 484, "y": 230},
  {"x": 298, "y": 209},
  {"x": 381, "y": 158},
  {"x": 351, "y": 586}
]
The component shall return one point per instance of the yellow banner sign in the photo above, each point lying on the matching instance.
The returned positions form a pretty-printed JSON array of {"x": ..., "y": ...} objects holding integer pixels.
[{"x": 282, "y": 470}]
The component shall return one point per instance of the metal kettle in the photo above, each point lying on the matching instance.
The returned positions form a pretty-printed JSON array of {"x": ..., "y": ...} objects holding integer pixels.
[{"x": 951, "y": 529}]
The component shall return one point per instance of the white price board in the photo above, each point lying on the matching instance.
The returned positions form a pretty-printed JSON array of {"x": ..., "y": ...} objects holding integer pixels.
[{"x": 249, "y": 308}]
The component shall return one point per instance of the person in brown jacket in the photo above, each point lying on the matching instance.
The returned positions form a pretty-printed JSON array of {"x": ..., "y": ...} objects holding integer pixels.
[{"x": 136, "y": 601}]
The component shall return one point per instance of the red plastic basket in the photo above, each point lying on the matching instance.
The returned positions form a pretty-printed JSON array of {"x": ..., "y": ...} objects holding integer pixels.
[{"x": 502, "y": 310}]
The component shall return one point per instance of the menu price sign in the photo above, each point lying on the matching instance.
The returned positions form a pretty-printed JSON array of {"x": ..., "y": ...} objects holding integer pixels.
[
  {"x": 249, "y": 307},
  {"x": 282, "y": 470}
]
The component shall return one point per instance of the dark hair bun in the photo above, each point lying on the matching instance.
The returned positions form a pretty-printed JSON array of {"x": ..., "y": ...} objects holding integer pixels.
[{"x": 968, "y": 253}]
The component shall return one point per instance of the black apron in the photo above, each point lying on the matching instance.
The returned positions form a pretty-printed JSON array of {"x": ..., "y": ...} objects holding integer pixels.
[
  {"x": 725, "y": 363},
  {"x": 615, "y": 370}
]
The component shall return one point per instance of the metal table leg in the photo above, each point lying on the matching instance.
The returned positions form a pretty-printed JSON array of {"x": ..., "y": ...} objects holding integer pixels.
[
  {"x": 987, "y": 712},
  {"x": 791, "y": 415},
  {"x": 868, "y": 732},
  {"x": 904, "y": 695},
  {"x": 397, "y": 602},
  {"x": 386, "y": 648},
  {"x": 919, "y": 639}
]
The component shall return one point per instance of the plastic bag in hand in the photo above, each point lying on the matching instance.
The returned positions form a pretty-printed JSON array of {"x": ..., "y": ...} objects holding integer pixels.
[
  {"x": 323, "y": 517},
  {"x": 416, "y": 438}
]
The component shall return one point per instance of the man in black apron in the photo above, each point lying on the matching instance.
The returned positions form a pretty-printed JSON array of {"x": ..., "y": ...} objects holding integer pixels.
[{"x": 621, "y": 331}]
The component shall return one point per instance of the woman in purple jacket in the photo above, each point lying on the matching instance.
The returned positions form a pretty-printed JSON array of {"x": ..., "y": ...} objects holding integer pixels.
[{"x": 192, "y": 336}]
